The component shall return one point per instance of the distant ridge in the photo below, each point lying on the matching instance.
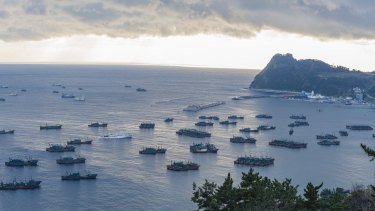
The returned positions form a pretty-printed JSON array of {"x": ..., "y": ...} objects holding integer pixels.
[{"x": 286, "y": 73}]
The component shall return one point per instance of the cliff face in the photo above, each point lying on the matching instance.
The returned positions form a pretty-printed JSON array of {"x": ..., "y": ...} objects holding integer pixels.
[{"x": 284, "y": 72}]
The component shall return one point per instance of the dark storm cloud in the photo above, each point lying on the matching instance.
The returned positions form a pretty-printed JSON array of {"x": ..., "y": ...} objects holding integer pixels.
[{"x": 325, "y": 19}]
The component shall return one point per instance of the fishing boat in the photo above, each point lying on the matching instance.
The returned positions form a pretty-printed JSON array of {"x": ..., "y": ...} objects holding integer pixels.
[
  {"x": 70, "y": 160},
  {"x": 204, "y": 124},
  {"x": 287, "y": 144},
  {"x": 97, "y": 124},
  {"x": 77, "y": 176},
  {"x": 254, "y": 161},
  {"x": 298, "y": 124},
  {"x": 168, "y": 120},
  {"x": 263, "y": 116},
  {"x": 148, "y": 125},
  {"x": 119, "y": 136},
  {"x": 343, "y": 133},
  {"x": 203, "y": 148},
  {"x": 328, "y": 142},
  {"x": 141, "y": 90},
  {"x": 240, "y": 139},
  {"x": 193, "y": 133},
  {"x": 19, "y": 162},
  {"x": 209, "y": 117},
  {"x": 67, "y": 96},
  {"x": 182, "y": 166},
  {"x": 359, "y": 127},
  {"x": 79, "y": 141},
  {"x": 291, "y": 131},
  {"x": 79, "y": 98},
  {"x": 12, "y": 94},
  {"x": 266, "y": 127},
  {"x": 235, "y": 117},
  {"x": 31, "y": 184},
  {"x": 2, "y": 99},
  {"x": 49, "y": 127},
  {"x": 60, "y": 148},
  {"x": 326, "y": 136},
  {"x": 6, "y": 131},
  {"x": 226, "y": 122},
  {"x": 300, "y": 116}
]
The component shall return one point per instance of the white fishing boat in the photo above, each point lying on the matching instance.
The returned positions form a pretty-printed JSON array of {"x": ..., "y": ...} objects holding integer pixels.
[
  {"x": 12, "y": 94},
  {"x": 118, "y": 136},
  {"x": 79, "y": 99}
]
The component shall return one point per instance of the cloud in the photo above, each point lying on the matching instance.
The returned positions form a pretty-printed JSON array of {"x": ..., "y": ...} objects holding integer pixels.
[{"x": 324, "y": 19}]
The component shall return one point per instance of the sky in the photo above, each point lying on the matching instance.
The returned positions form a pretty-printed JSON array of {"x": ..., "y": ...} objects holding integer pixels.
[{"x": 206, "y": 33}]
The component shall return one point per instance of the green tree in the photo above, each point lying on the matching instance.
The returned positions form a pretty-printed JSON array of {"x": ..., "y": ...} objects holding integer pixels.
[
  {"x": 371, "y": 153},
  {"x": 311, "y": 194},
  {"x": 204, "y": 196}
]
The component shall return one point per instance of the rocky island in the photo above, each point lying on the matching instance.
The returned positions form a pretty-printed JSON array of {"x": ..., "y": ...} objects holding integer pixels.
[{"x": 286, "y": 73}]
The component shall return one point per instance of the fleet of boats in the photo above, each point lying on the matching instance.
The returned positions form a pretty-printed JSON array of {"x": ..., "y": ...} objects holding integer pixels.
[{"x": 327, "y": 139}]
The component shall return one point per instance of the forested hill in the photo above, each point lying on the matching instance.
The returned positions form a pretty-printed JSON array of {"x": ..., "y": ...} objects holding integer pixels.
[{"x": 286, "y": 73}]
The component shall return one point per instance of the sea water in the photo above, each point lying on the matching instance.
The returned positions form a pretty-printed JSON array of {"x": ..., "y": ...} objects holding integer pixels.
[{"x": 130, "y": 181}]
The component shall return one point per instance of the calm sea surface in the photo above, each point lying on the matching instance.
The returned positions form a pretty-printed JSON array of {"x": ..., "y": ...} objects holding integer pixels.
[{"x": 129, "y": 181}]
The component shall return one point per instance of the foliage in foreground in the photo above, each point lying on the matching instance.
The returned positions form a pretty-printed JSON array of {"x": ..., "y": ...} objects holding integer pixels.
[{"x": 257, "y": 193}]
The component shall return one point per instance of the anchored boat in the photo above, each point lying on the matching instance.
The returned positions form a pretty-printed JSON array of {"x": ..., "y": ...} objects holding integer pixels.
[
  {"x": 77, "y": 176},
  {"x": 181, "y": 166},
  {"x": 287, "y": 144},
  {"x": 97, "y": 124},
  {"x": 49, "y": 127},
  {"x": 203, "y": 148},
  {"x": 60, "y": 148},
  {"x": 79, "y": 141},
  {"x": 31, "y": 184},
  {"x": 240, "y": 139},
  {"x": 149, "y": 125},
  {"x": 193, "y": 133},
  {"x": 19, "y": 162},
  {"x": 326, "y": 136},
  {"x": 359, "y": 127},
  {"x": 328, "y": 142},
  {"x": 6, "y": 131},
  {"x": 119, "y": 136},
  {"x": 254, "y": 161},
  {"x": 70, "y": 160},
  {"x": 263, "y": 116}
]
